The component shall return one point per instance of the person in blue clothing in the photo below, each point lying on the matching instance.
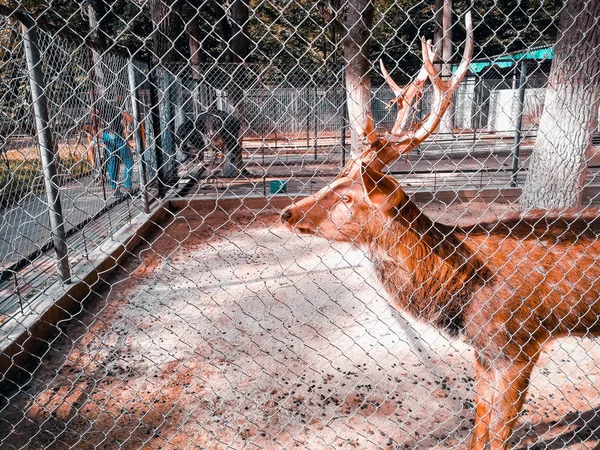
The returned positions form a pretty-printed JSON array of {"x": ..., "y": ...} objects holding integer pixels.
[{"x": 116, "y": 148}]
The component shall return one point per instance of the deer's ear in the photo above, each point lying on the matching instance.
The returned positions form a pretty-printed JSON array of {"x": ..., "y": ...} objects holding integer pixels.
[{"x": 381, "y": 190}]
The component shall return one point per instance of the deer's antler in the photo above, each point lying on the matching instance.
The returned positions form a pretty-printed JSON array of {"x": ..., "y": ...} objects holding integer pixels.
[
  {"x": 406, "y": 96},
  {"x": 384, "y": 150}
]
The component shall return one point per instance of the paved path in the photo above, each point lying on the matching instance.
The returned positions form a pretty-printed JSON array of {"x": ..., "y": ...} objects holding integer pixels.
[
  {"x": 21, "y": 286},
  {"x": 24, "y": 227}
]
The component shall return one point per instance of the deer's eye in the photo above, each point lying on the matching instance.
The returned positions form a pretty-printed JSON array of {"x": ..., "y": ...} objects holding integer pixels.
[{"x": 346, "y": 198}]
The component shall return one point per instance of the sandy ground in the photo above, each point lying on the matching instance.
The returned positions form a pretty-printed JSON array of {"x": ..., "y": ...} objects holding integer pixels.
[{"x": 229, "y": 332}]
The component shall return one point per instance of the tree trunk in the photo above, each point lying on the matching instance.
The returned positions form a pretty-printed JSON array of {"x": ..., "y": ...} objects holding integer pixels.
[
  {"x": 559, "y": 161},
  {"x": 196, "y": 59},
  {"x": 239, "y": 25},
  {"x": 97, "y": 21},
  {"x": 96, "y": 10},
  {"x": 233, "y": 145},
  {"x": 165, "y": 16},
  {"x": 357, "y": 55},
  {"x": 220, "y": 15},
  {"x": 195, "y": 43},
  {"x": 238, "y": 50},
  {"x": 445, "y": 34},
  {"x": 438, "y": 29},
  {"x": 238, "y": 47}
]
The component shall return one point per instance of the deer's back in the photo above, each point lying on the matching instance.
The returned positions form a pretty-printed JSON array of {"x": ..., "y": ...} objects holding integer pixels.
[{"x": 545, "y": 279}]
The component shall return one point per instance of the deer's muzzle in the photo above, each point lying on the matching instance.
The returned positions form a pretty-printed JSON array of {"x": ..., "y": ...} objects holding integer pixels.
[
  {"x": 286, "y": 215},
  {"x": 295, "y": 219}
]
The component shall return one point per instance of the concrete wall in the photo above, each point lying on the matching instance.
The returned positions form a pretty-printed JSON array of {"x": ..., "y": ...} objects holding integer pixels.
[{"x": 504, "y": 109}]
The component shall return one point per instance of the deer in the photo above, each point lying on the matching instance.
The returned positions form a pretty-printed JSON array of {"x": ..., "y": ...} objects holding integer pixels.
[{"x": 506, "y": 287}]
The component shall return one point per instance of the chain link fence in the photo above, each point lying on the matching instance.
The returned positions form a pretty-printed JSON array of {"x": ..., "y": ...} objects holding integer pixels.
[{"x": 217, "y": 231}]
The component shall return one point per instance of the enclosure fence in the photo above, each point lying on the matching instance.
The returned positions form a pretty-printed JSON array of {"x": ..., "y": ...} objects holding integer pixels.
[{"x": 224, "y": 225}]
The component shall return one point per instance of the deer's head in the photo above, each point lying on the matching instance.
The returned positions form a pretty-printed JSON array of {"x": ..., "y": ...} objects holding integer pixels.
[
  {"x": 347, "y": 207},
  {"x": 362, "y": 197}
]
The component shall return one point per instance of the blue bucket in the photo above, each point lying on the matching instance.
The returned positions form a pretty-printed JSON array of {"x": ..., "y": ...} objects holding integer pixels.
[{"x": 278, "y": 186}]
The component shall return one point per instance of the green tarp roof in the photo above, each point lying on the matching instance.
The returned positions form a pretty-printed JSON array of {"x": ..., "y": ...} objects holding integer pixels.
[{"x": 508, "y": 60}]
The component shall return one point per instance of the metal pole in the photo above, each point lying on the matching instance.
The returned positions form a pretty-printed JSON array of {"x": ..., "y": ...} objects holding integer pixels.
[
  {"x": 40, "y": 108},
  {"x": 344, "y": 109},
  {"x": 475, "y": 108},
  {"x": 315, "y": 139},
  {"x": 519, "y": 122},
  {"x": 308, "y": 112},
  {"x": 139, "y": 140}
]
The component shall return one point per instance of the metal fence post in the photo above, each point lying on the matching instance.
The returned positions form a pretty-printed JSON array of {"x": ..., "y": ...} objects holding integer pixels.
[
  {"x": 315, "y": 123},
  {"x": 40, "y": 108},
  {"x": 308, "y": 112},
  {"x": 344, "y": 111},
  {"x": 139, "y": 141},
  {"x": 519, "y": 122}
]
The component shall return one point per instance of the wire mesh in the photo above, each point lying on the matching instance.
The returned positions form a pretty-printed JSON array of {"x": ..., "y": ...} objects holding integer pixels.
[{"x": 216, "y": 230}]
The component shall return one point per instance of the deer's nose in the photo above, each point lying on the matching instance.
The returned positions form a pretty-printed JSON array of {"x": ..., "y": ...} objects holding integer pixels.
[{"x": 286, "y": 215}]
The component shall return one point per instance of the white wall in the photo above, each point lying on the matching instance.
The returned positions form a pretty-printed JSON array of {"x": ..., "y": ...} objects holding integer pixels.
[{"x": 504, "y": 109}]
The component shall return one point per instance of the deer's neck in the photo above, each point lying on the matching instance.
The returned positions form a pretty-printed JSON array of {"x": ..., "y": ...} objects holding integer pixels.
[{"x": 425, "y": 267}]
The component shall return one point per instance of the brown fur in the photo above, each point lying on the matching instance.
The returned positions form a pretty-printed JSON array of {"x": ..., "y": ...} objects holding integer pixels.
[{"x": 505, "y": 287}]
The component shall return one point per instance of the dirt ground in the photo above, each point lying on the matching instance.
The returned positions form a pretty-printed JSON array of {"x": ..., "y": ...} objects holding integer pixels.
[
  {"x": 229, "y": 332},
  {"x": 26, "y": 148}
]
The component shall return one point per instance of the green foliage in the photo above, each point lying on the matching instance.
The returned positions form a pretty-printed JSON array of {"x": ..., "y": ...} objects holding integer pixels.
[
  {"x": 500, "y": 26},
  {"x": 129, "y": 25},
  {"x": 13, "y": 85},
  {"x": 19, "y": 178},
  {"x": 511, "y": 25},
  {"x": 293, "y": 34},
  {"x": 299, "y": 37}
]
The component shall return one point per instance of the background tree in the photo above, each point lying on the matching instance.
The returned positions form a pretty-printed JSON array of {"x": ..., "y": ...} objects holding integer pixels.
[
  {"x": 167, "y": 28},
  {"x": 559, "y": 161},
  {"x": 14, "y": 107},
  {"x": 357, "y": 56},
  {"x": 97, "y": 11},
  {"x": 218, "y": 48},
  {"x": 97, "y": 17},
  {"x": 235, "y": 25},
  {"x": 443, "y": 44},
  {"x": 354, "y": 21},
  {"x": 195, "y": 40}
]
